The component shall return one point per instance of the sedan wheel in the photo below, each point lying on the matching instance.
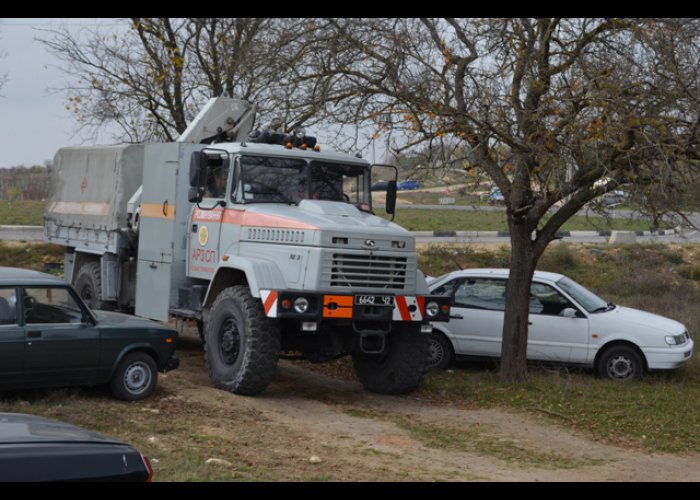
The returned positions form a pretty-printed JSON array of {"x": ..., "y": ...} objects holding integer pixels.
[
  {"x": 620, "y": 363},
  {"x": 135, "y": 377},
  {"x": 439, "y": 351}
]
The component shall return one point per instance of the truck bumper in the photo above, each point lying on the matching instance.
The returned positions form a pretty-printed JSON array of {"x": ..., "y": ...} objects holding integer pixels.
[{"x": 355, "y": 307}]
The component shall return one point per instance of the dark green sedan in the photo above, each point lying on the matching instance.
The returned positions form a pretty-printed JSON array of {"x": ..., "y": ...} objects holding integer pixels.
[{"x": 49, "y": 337}]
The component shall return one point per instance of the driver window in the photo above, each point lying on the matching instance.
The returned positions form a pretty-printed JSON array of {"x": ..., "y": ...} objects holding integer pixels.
[
  {"x": 546, "y": 300},
  {"x": 216, "y": 181},
  {"x": 8, "y": 306},
  {"x": 50, "y": 305}
]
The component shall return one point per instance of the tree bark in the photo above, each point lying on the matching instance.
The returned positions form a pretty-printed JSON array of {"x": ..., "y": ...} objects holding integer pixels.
[{"x": 515, "y": 322}]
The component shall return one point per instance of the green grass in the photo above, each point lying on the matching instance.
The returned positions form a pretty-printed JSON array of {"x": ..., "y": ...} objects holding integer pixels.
[
  {"x": 22, "y": 213},
  {"x": 38, "y": 256},
  {"x": 422, "y": 219}
]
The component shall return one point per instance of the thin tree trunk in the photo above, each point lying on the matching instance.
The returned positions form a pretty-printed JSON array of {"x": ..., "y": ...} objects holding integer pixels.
[{"x": 515, "y": 324}]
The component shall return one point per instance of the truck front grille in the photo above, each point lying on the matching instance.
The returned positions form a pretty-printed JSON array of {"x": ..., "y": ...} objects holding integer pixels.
[{"x": 365, "y": 271}]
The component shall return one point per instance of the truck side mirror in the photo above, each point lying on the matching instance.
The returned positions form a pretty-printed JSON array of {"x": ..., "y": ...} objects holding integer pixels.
[
  {"x": 198, "y": 168},
  {"x": 391, "y": 197},
  {"x": 195, "y": 194}
]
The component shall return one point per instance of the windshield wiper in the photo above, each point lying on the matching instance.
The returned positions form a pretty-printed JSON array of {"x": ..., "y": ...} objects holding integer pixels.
[{"x": 609, "y": 307}]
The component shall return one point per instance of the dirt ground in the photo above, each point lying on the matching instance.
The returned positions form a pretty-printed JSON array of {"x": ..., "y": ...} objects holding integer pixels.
[{"x": 310, "y": 426}]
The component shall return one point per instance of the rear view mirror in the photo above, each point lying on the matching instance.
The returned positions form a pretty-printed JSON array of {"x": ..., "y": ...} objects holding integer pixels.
[
  {"x": 195, "y": 194},
  {"x": 198, "y": 168}
]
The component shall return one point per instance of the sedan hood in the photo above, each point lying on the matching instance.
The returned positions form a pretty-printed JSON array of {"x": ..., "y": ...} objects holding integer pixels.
[
  {"x": 125, "y": 320},
  {"x": 644, "y": 320}
]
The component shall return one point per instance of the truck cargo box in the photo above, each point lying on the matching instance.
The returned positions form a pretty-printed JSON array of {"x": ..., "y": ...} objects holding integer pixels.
[{"x": 90, "y": 188}]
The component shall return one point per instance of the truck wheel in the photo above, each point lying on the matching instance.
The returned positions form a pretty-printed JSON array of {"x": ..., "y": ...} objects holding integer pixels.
[
  {"x": 88, "y": 284},
  {"x": 135, "y": 378},
  {"x": 401, "y": 367},
  {"x": 242, "y": 345}
]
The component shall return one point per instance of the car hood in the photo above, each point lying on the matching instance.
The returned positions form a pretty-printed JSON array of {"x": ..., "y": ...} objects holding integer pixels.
[
  {"x": 22, "y": 428},
  {"x": 626, "y": 316},
  {"x": 125, "y": 320}
]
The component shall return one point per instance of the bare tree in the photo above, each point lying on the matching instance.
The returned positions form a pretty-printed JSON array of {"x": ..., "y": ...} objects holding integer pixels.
[
  {"x": 557, "y": 112},
  {"x": 151, "y": 77}
]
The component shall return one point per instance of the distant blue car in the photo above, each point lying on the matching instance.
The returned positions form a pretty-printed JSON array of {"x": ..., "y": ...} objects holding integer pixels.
[
  {"x": 408, "y": 185},
  {"x": 495, "y": 196}
]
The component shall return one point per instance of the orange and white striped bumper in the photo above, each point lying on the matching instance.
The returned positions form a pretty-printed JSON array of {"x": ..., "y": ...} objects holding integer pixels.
[{"x": 332, "y": 306}]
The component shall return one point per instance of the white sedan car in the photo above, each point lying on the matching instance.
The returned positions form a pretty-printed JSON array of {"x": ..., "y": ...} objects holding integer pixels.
[{"x": 567, "y": 324}]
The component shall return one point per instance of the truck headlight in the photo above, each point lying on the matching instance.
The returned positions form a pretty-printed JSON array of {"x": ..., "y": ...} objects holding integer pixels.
[
  {"x": 432, "y": 309},
  {"x": 301, "y": 305},
  {"x": 675, "y": 339}
]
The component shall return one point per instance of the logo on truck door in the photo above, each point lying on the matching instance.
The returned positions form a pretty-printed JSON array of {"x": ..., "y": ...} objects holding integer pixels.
[{"x": 203, "y": 235}]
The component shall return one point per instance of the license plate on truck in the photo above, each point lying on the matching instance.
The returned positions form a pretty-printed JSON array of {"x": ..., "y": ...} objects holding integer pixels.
[{"x": 374, "y": 300}]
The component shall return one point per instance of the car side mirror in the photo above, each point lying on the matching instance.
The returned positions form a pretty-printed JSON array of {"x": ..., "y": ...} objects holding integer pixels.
[
  {"x": 391, "y": 197},
  {"x": 569, "y": 312}
]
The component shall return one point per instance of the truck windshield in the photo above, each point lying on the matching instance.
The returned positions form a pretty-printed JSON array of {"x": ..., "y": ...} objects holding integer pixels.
[{"x": 290, "y": 180}]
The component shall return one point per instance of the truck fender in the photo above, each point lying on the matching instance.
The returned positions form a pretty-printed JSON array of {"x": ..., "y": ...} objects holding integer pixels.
[{"x": 256, "y": 273}]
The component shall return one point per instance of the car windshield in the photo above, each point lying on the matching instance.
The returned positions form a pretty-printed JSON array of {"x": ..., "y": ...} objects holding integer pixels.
[
  {"x": 291, "y": 180},
  {"x": 587, "y": 299}
]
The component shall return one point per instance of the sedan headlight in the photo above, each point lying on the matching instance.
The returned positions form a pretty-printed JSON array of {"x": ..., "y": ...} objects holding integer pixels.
[{"x": 676, "y": 339}]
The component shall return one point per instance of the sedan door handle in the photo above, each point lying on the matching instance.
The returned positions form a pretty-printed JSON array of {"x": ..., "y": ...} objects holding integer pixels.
[
  {"x": 456, "y": 316},
  {"x": 34, "y": 334}
]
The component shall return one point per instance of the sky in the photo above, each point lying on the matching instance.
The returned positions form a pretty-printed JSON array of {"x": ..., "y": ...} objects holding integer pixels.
[{"x": 34, "y": 122}]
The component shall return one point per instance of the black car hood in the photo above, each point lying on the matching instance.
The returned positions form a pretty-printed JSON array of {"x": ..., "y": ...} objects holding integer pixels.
[
  {"x": 121, "y": 319},
  {"x": 22, "y": 428}
]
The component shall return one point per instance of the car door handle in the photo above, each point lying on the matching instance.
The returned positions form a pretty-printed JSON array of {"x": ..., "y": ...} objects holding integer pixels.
[
  {"x": 456, "y": 316},
  {"x": 34, "y": 334}
]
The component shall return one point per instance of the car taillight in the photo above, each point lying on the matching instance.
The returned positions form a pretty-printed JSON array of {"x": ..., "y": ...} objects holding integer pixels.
[{"x": 147, "y": 463}]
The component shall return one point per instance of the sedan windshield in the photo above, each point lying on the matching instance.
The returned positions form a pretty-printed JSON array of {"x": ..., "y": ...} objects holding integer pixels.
[
  {"x": 587, "y": 299},
  {"x": 291, "y": 180}
]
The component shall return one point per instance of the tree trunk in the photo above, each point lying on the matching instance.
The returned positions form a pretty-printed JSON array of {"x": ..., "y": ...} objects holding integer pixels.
[{"x": 515, "y": 323}]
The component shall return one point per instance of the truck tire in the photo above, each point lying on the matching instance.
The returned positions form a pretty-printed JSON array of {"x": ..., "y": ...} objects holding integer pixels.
[
  {"x": 88, "y": 284},
  {"x": 402, "y": 366},
  {"x": 242, "y": 345}
]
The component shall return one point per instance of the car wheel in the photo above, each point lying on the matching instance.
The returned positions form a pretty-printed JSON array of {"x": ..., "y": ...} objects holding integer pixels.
[
  {"x": 401, "y": 367},
  {"x": 242, "y": 344},
  {"x": 135, "y": 378},
  {"x": 439, "y": 351},
  {"x": 620, "y": 362}
]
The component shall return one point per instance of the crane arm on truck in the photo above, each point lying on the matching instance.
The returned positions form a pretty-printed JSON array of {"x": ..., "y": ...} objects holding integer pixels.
[{"x": 221, "y": 119}]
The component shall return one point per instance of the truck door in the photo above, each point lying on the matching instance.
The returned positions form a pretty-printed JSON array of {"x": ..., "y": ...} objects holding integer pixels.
[
  {"x": 157, "y": 230},
  {"x": 206, "y": 220}
]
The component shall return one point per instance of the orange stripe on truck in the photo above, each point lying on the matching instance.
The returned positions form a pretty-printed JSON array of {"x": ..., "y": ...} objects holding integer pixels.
[
  {"x": 158, "y": 210},
  {"x": 245, "y": 218}
]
